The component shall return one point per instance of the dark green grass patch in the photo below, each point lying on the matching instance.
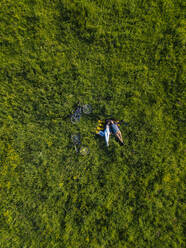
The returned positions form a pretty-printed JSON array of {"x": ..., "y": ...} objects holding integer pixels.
[{"x": 125, "y": 58}]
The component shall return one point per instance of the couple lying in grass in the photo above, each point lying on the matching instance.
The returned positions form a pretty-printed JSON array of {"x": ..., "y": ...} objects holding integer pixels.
[{"x": 111, "y": 127}]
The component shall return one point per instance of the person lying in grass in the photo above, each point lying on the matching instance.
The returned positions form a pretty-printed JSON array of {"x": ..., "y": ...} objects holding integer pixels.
[
  {"x": 115, "y": 130},
  {"x": 111, "y": 127},
  {"x": 106, "y": 133}
]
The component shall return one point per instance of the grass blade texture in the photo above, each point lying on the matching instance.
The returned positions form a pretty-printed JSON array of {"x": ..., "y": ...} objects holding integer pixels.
[{"x": 125, "y": 59}]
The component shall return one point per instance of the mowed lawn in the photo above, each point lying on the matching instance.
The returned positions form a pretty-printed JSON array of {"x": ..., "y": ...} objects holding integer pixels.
[{"x": 125, "y": 59}]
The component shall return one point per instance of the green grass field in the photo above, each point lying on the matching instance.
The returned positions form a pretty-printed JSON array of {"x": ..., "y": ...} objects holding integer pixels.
[{"x": 126, "y": 59}]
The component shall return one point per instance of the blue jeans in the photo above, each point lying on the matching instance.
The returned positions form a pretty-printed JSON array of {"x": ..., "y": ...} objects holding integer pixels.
[{"x": 106, "y": 134}]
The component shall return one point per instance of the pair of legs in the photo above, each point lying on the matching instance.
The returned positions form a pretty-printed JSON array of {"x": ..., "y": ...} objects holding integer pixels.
[
  {"x": 106, "y": 134},
  {"x": 119, "y": 136}
]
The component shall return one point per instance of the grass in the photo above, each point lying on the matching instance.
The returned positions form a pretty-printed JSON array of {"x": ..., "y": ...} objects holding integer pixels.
[{"x": 124, "y": 58}]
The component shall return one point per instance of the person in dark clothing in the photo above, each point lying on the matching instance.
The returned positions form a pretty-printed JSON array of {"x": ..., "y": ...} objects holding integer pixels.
[{"x": 115, "y": 130}]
